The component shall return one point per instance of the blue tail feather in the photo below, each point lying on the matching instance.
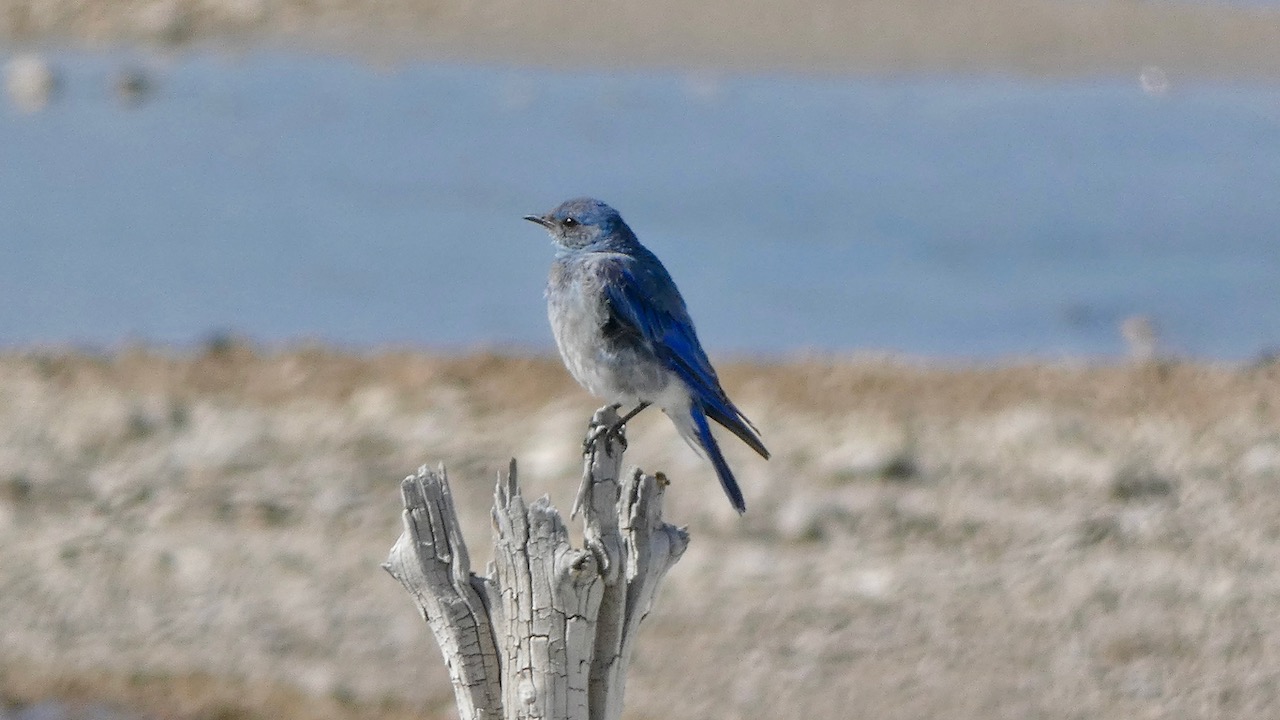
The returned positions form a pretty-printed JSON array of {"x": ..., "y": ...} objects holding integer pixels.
[
  {"x": 737, "y": 423},
  {"x": 718, "y": 407},
  {"x": 708, "y": 443}
]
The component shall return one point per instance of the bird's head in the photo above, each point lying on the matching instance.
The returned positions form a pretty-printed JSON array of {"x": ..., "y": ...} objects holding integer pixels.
[{"x": 581, "y": 222}]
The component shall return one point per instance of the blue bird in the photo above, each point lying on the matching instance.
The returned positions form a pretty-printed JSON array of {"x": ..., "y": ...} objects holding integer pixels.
[{"x": 625, "y": 335}]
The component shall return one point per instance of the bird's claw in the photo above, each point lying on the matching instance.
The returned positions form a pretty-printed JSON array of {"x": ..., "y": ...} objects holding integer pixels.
[{"x": 603, "y": 432}]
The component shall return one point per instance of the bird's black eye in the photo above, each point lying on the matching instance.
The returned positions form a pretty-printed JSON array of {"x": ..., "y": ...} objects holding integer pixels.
[{"x": 569, "y": 222}]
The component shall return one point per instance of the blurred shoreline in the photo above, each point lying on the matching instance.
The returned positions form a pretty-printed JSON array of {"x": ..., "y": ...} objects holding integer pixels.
[
  {"x": 197, "y": 535},
  {"x": 1032, "y": 37}
]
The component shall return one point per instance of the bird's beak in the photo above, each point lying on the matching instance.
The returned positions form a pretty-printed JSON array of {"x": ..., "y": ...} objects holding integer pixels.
[{"x": 539, "y": 219}]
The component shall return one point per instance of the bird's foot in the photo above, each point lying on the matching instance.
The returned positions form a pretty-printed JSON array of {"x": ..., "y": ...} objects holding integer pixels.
[{"x": 616, "y": 432}]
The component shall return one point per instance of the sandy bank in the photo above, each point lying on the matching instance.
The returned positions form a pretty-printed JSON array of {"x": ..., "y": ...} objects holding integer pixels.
[
  {"x": 201, "y": 536},
  {"x": 1048, "y": 37}
]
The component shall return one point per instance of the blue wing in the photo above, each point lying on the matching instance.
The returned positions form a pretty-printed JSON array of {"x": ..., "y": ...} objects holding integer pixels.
[{"x": 644, "y": 302}]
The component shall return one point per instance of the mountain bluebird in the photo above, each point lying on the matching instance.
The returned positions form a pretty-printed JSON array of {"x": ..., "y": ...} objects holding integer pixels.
[{"x": 625, "y": 335}]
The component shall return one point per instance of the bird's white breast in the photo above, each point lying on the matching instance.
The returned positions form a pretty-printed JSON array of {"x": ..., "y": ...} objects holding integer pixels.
[{"x": 577, "y": 310}]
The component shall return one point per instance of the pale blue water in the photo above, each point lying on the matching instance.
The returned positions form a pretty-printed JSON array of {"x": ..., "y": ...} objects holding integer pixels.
[{"x": 289, "y": 197}]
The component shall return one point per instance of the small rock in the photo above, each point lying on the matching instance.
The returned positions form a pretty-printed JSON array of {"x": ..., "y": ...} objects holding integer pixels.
[
  {"x": 273, "y": 513},
  {"x": 1130, "y": 484},
  {"x": 1098, "y": 529},
  {"x": 1261, "y": 460},
  {"x": 132, "y": 86},
  {"x": 30, "y": 81},
  {"x": 801, "y": 519},
  {"x": 873, "y": 460},
  {"x": 871, "y": 584},
  {"x": 874, "y": 585},
  {"x": 16, "y": 489},
  {"x": 900, "y": 467},
  {"x": 1141, "y": 337}
]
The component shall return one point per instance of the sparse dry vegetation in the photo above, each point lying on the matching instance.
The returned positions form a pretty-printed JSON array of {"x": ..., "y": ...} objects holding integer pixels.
[{"x": 199, "y": 536}]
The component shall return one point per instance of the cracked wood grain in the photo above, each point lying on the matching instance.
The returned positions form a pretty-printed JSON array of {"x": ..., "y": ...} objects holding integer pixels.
[
  {"x": 430, "y": 560},
  {"x": 549, "y": 634}
]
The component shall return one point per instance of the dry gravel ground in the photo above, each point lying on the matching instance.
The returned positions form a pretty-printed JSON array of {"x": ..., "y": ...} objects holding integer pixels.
[
  {"x": 200, "y": 535},
  {"x": 1050, "y": 37}
]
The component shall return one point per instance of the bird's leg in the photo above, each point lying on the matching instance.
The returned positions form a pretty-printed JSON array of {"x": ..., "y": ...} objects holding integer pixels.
[
  {"x": 596, "y": 431},
  {"x": 623, "y": 420},
  {"x": 615, "y": 429}
]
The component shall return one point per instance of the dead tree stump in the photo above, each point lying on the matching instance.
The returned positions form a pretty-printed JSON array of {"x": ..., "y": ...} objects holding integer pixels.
[{"x": 548, "y": 633}]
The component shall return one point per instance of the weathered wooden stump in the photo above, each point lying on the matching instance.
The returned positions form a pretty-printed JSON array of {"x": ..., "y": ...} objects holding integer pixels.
[{"x": 549, "y": 632}]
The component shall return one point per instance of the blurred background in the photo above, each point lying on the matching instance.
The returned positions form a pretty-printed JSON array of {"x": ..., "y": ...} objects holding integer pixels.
[
  {"x": 999, "y": 280},
  {"x": 973, "y": 190}
]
